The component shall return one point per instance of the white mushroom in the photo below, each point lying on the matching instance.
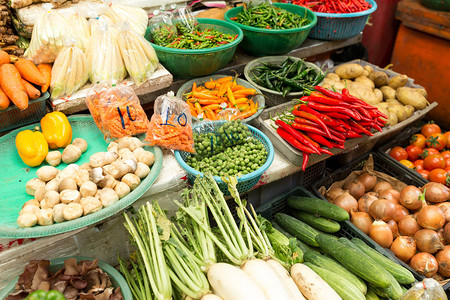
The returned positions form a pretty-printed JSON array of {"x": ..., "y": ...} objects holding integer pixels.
[
  {"x": 138, "y": 151},
  {"x": 67, "y": 183},
  {"x": 81, "y": 144},
  {"x": 126, "y": 154},
  {"x": 142, "y": 170},
  {"x": 122, "y": 189},
  {"x": 112, "y": 170},
  {"x": 69, "y": 171},
  {"x": 72, "y": 211},
  {"x": 33, "y": 184},
  {"x": 100, "y": 159},
  {"x": 96, "y": 174},
  {"x": 132, "y": 163},
  {"x": 33, "y": 202},
  {"x": 90, "y": 205},
  {"x": 39, "y": 194},
  {"x": 86, "y": 166},
  {"x": 58, "y": 210},
  {"x": 107, "y": 181},
  {"x": 97, "y": 195},
  {"x": 51, "y": 198},
  {"x": 52, "y": 185},
  {"x": 46, "y": 173},
  {"x": 122, "y": 168},
  {"x": 45, "y": 217},
  {"x": 108, "y": 197},
  {"x": 53, "y": 158},
  {"x": 135, "y": 143},
  {"x": 30, "y": 209},
  {"x": 123, "y": 142},
  {"x": 71, "y": 154},
  {"x": 70, "y": 196},
  {"x": 82, "y": 176},
  {"x": 132, "y": 180},
  {"x": 112, "y": 147},
  {"x": 88, "y": 188},
  {"x": 146, "y": 157},
  {"x": 27, "y": 220}
]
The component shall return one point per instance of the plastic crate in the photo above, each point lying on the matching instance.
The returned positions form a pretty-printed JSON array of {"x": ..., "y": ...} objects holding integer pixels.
[{"x": 13, "y": 117}]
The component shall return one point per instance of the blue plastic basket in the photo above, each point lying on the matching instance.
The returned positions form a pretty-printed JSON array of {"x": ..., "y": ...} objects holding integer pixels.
[
  {"x": 340, "y": 26},
  {"x": 245, "y": 182}
]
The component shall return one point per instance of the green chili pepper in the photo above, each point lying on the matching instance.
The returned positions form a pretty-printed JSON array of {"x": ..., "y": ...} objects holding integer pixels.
[{"x": 43, "y": 295}]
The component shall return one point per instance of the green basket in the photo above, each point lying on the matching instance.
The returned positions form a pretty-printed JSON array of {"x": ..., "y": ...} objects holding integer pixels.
[
  {"x": 117, "y": 279},
  {"x": 16, "y": 174},
  {"x": 262, "y": 42},
  {"x": 187, "y": 63}
]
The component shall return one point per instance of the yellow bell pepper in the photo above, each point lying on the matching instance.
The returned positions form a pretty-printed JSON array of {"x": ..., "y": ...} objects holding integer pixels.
[
  {"x": 32, "y": 147},
  {"x": 56, "y": 129}
]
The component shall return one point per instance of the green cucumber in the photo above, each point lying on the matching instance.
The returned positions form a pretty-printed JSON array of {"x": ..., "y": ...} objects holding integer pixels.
[
  {"x": 371, "y": 295},
  {"x": 299, "y": 229},
  {"x": 319, "y": 223},
  {"x": 342, "y": 286},
  {"x": 303, "y": 246},
  {"x": 332, "y": 265},
  {"x": 318, "y": 207},
  {"x": 400, "y": 273},
  {"x": 356, "y": 263}
]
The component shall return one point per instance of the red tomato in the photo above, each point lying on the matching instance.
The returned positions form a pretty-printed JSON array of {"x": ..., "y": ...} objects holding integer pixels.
[
  {"x": 418, "y": 164},
  {"x": 429, "y": 151},
  {"x": 438, "y": 175},
  {"x": 430, "y": 129},
  {"x": 434, "y": 161},
  {"x": 398, "y": 153},
  {"x": 445, "y": 154},
  {"x": 418, "y": 140},
  {"x": 437, "y": 141},
  {"x": 447, "y": 168},
  {"x": 407, "y": 163},
  {"x": 447, "y": 162},
  {"x": 447, "y": 135},
  {"x": 424, "y": 173},
  {"x": 414, "y": 152}
]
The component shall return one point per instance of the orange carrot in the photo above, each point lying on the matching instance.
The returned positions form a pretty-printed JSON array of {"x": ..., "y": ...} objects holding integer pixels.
[
  {"x": 4, "y": 100},
  {"x": 11, "y": 83},
  {"x": 33, "y": 93},
  {"x": 30, "y": 72},
  {"x": 4, "y": 58},
  {"x": 46, "y": 70}
]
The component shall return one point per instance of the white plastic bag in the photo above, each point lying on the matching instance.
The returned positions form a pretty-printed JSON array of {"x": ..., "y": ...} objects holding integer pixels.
[
  {"x": 95, "y": 23},
  {"x": 428, "y": 289},
  {"x": 137, "y": 17},
  {"x": 81, "y": 29}
]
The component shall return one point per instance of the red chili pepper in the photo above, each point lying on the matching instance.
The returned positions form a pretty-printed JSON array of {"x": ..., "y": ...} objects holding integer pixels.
[
  {"x": 294, "y": 142},
  {"x": 337, "y": 115},
  {"x": 326, "y": 108},
  {"x": 316, "y": 144},
  {"x": 352, "y": 135},
  {"x": 311, "y": 117},
  {"x": 340, "y": 128},
  {"x": 327, "y": 120},
  {"x": 305, "y": 122},
  {"x": 325, "y": 100},
  {"x": 305, "y": 160},
  {"x": 331, "y": 94},
  {"x": 319, "y": 139},
  {"x": 337, "y": 136},
  {"x": 297, "y": 135},
  {"x": 357, "y": 125},
  {"x": 337, "y": 145},
  {"x": 310, "y": 129}
]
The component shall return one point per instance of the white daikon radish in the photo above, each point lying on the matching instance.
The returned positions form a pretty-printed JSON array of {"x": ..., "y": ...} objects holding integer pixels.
[
  {"x": 231, "y": 283},
  {"x": 287, "y": 279},
  {"x": 267, "y": 279},
  {"x": 311, "y": 285},
  {"x": 211, "y": 297}
]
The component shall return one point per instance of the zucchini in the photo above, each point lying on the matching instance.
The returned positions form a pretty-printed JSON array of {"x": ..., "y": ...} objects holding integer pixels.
[
  {"x": 342, "y": 286},
  {"x": 300, "y": 230},
  {"x": 303, "y": 246},
  {"x": 356, "y": 263},
  {"x": 332, "y": 265},
  {"x": 403, "y": 275},
  {"x": 319, "y": 223},
  {"x": 371, "y": 295},
  {"x": 318, "y": 207}
]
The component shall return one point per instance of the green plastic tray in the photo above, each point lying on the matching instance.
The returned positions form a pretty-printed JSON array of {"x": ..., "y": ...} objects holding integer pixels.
[
  {"x": 117, "y": 279},
  {"x": 15, "y": 174}
]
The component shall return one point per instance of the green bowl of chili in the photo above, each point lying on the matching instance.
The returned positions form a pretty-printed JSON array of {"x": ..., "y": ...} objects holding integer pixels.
[
  {"x": 188, "y": 63},
  {"x": 262, "y": 42}
]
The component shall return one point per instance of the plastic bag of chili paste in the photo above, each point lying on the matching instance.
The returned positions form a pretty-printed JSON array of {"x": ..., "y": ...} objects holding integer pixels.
[
  {"x": 116, "y": 111},
  {"x": 171, "y": 124}
]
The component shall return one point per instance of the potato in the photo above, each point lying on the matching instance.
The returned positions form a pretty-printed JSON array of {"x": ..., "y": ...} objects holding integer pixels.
[
  {"x": 369, "y": 69},
  {"x": 398, "y": 81},
  {"x": 349, "y": 71},
  {"x": 388, "y": 92},
  {"x": 399, "y": 110},
  {"x": 409, "y": 110},
  {"x": 423, "y": 92},
  {"x": 332, "y": 77},
  {"x": 379, "y": 78},
  {"x": 328, "y": 81},
  {"x": 366, "y": 81},
  {"x": 364, "y": 93},
  {"x": 383, "y": 110},
  {"x": 384, "y": 105},
  {"x": 392, "y": 120},
  {"x": 379, "y": 95},
  {"x": 327, "y": 86},
  {"x": 407, "y": 95},
  {"x": 393, "y": 101}
]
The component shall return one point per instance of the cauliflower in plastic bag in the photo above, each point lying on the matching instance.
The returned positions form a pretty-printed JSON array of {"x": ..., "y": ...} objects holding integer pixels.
[
  {"x": 103, "y": 56},
  {"x": 137, "y": 17},
  {"x": 69, "y": 72},
  {"x": 137, "y": 53},
  {"x": 81, "y": 29},
  {"x": 428, "y": 289},
  {"x": 49, "y": 34}
]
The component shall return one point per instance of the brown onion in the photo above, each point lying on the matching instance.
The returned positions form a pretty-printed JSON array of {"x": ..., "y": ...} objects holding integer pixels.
[
  {"x": 447, "y": 233},
  {"x": 428, "y": 240},
  {"x": 436, "y": 192},
  {"x": 391, "y": 195},
  {"x": 408, "y": 226},
  {"x": 346, "y": 201},
  {"x": 445, "y": 206},
  {"x": 382, "y": 210},
  {"x": 400, "y": 213},
  {"x": 361, "y": 220},
  {"x": 404, "y": 247},
  {"x": 368, "y": 180},
  {"x": 355, "y": 188},
  {"x": 410, "y": 197},
  {"x": 425, "y": 264},
  {"x": 393, "y": 227},
  {"x": 431, "y": 217},
  {"x": 443, "y": 259},
  {"x": 366, "y": 200},
  {"x": 379, "y": 232},
  {"x": 381, "y": 186},
  {"x": 440, "y": 233},
  {"x": 333, "y": 193}
]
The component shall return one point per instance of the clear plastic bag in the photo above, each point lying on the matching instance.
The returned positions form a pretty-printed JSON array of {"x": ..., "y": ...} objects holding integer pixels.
[
  {"x": 162, "y": 28},
  {"x": 81, "y": 29},
  {"x": 171, "y": 124},
  {"x": 69, "y": 72},
  {"x": 184, "y": 19},
  {"x": 103, "y": 56},
  {"x": 116, "y": 110},
  {"x": 229, "y": 114},
  {"x": 428, "y": 289},
  {"x": 137, "y": 17},
  {"x": 95, "y": 23},
  {"x": 138, "y": 55},
  {"x": 49, "y": 35}
]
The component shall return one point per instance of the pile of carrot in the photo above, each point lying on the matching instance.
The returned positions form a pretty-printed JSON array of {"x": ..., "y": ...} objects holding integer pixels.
[
  {"x": 216, "y": 95},
  {"x": 19, "y": 81}
]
